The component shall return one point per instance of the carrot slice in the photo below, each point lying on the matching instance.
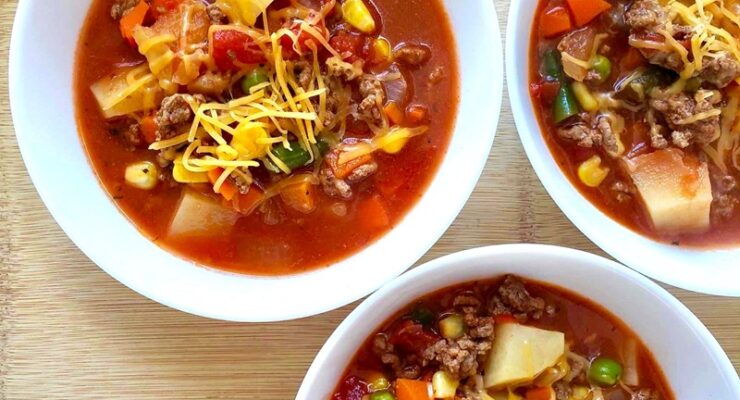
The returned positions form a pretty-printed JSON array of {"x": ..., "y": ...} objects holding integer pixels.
[
  {"x": 394, "y": 113},
  {"x": 149, "y": 129},
  {"x": 301, "y": 197},
  {"x": 372, "y": 213},
  {"x": 246, "y": 203},
  {"x": 555, "y": 21},
  {"x": 584, "y": 11},
  {"x": 539, "y": 393},
  {"x": 134, "y": 18},
  {"x": 342, "y": 171},
  {"x": 409, "y": 389},
  {"x": 228, "y": 188},
  {"x": 416, "y": 114}
]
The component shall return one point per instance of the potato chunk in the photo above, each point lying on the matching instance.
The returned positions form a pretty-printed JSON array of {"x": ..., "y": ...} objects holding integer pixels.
[
  {"x": 520, "y": 353},
  {"x": 675, "y": 190},
  {"x": 198, "y": 215},
  {"x": 109, "y": 88}
]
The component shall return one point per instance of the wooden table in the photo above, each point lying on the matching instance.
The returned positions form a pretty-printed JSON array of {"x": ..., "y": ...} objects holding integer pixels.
[{"x": 69, "y": 331}]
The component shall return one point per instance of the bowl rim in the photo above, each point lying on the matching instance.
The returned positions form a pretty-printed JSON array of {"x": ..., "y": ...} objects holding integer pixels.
[
  {"x": 277, "y": 309},
  {"x": 710, "y": 270},
  {"x": 505, "y": 251}
]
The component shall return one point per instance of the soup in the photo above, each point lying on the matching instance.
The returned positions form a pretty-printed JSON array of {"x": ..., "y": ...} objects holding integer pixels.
[
  {"x": 504, "y": 339},
  {"x": 638, "y": 102},
  {"x": 269, "y": 142}
]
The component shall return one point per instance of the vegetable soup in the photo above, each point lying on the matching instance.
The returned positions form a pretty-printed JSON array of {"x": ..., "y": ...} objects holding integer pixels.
[
  {"x": 266, "y": 137},
  {"x": 504, "y": 339},
  {"x": 638, "y": 103}
]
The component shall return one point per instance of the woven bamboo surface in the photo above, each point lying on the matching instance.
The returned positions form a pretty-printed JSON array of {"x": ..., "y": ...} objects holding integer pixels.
[{"x": 69, "y": 331}]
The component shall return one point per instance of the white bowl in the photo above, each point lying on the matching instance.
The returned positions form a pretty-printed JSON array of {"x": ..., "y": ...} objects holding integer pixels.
[
  {"x": 714, "y": 271},
  {"x": 693, "y": 362},
  {"x": 41, "y": 66}
]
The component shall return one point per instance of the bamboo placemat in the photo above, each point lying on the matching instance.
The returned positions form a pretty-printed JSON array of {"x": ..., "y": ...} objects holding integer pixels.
[{"x": 69, "y": 331}]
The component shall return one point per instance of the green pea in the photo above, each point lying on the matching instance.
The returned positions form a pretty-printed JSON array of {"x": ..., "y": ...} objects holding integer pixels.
[
  {"x": 604, "y": 372},
  {"x": 253, "y": 78},
  {"x": 384, "y": 395},
  {"x": 294, "y": 158},
  {"x": 603, "y": 67}
]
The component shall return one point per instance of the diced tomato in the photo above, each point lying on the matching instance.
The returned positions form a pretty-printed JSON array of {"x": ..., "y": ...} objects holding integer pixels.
[
  {"x": 233, "y": 49},
  {"x": 411, "y": 336},
  {"x": 353, "y": 388},
  {"x": 160, "y": 7},
  {"x": 545, "y": 90},
  {"x": 632, "y": 59},
  {"x": 304, "y": 38},
  {"x": 351, "y": 46}
]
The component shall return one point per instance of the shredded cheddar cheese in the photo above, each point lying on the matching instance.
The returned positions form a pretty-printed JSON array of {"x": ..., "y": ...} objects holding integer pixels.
[
  {"x": 246, "y": 129},
  {"x": 709, "y": 39}
]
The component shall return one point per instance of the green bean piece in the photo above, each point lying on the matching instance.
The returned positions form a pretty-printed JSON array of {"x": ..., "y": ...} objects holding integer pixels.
[
  {"x": 693, "y": 84},
  {"x": 323, "y": 146},
  {"x": 253, "y": 78},
  {"x": 603, "y": 67},
  {"x": 384, "y": 395},
  {"x": 604, "y": 372},
  {"x": 270, "y": 166},
  {"x": 552, "y": 66},
  {"x": 294, "y": 158},
  {"x": 422, "y": 315},
  {"x": 565, "y": 104}
]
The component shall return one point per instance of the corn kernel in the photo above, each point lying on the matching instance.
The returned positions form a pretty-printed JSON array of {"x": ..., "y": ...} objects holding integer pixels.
[
  {"x": 382, "y": 51},
  {"x": 247, "y": 140},
  {"x": 182, "y": 175},
  {"x": 579, "y": 393},
  {"x": 142, "y": 175},
  {"x": 394, "y": 141},
  {"x": 378, "y": 381},
  {"x": 452, "y": 326},
  {"x": 587, "y": 101},
  {"x": 357, "y": 14},
  {"x": 226, "y": 153},
  {"x": 444, "y": 386},
  {"x": 591, "y": 173}
]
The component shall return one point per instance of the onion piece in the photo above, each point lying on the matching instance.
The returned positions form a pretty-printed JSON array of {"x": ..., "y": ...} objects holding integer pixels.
[
  {"x": 597, "y": 393},
  {"x": 395, "y": 84},
  {"x": 630, "y": 375}
]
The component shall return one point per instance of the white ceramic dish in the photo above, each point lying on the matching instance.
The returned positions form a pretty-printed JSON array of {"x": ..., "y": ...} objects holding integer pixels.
[
  {"x": 693, "y": 362},
  {"x": 47, "y": 135},
  {"x": 707, "y": 271}
]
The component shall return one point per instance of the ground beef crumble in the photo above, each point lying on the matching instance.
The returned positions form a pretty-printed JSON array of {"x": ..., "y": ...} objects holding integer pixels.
[{"x": 513, "y": 298}]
